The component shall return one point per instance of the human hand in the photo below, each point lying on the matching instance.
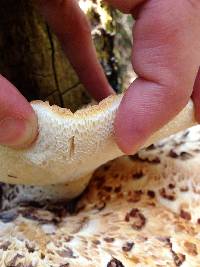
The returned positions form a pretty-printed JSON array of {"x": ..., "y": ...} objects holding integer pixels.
[
  {"x": 18, "y": 123},
  {"x": 72, "y": 28},
  {"x": 166, "y": 58}
]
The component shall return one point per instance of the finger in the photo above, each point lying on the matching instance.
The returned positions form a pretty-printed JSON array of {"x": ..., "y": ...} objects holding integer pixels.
[
  {"x": 196, "y": 96},
  {"x": 18, "y": 123},
  {"x": 72, "y": 28},
  {"x": 166, "y": 57}
]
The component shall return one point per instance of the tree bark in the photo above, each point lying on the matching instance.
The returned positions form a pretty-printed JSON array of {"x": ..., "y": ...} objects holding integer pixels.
[{"x": 32, "y": 58}]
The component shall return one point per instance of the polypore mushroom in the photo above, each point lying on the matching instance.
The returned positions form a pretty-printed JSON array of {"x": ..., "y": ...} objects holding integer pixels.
[{"x": 70, "y": 146}]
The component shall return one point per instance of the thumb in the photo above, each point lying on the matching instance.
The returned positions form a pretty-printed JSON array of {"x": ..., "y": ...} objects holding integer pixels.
[
  {"x": 18, "y": 122},
  {"x": 166, "y": 58}
]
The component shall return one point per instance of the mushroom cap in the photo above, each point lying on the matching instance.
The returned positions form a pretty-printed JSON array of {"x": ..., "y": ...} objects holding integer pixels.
[{"x": 137, "y": 211}]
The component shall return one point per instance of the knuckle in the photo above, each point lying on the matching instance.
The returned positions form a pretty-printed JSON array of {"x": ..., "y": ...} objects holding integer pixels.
[{"x": 194, "y": 3}]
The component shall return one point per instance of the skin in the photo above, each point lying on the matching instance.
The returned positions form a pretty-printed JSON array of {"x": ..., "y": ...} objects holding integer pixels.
[{"x": 166, "y": 58}]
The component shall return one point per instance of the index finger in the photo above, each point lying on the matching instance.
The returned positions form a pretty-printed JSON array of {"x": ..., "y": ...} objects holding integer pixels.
[{"x": 72, "y": 28}]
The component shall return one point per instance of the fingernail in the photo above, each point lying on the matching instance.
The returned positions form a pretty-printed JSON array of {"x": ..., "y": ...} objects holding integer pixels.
[{"x": 17, "y": 133}]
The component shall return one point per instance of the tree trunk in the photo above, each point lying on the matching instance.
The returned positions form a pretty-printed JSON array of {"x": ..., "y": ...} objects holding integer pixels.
[{"x": 33, "y": 60}]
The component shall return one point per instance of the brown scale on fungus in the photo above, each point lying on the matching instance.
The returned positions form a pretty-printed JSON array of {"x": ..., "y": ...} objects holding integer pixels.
[
  {"x": 49, "y": 251},
  {"x": 136, "y": 157},
  {"x": 109, "y": 239},
  {"x": 66, "y": 253},
  {"x": 13, "y": 261},
  {"x": 178, "y": 144},
  {"x": 106, "y": 167},
  {"x": 108, "y": 198},
  {"x": 184, "y": 188},
  {"x": 106, "y": 214},
  {"x": 127, "y": 217},
  {"x": 178, "y": 258},
  {"x": 127, "y": 246},
  {"x": 108, "y": 189},
  {"x": 5, "y": 245},
  {"x": 136, "y": 218},
  {"x": 156, "y": 160},
  {"x": 80, "y": 208},
  {"x": 151, "y": 193},
  {"x": 171, "y": 186},
  {"x": 42, "y": 256},
  {"x": 185, "y": 156},
  {"x": 152, "y": 204},
  {"x": 99, "y": 181},
  {"x": 96, "y": 242},
  {"x": 191, "y": 248},
  {"x": 164, "y": 239},
  {"x": 120, "y": 195},
  {"x": 41, "y": 216},
  {"x": 169, "y": 196},
  {"x": 118, "y": 189},
  {"x": 151, "y": 147},
  {"x": 135, "y": 196},
  {"x": 185, "y": 215},
  {"x": 185, "y": 134},
  {"x": 173, "y": 154},
  {"x": 137, "y": 175},
  {"x": 182, "y": 156},
  {"x": 197, "y": 150},
  {"x": 115, "y": 263},
  {"x": 68, "y": 238},
  {"x": 30, "y": 247}
]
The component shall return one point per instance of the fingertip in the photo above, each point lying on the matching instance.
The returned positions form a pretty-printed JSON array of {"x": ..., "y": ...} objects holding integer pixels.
[
  {"x": 18, "y": 121},
  {"x": 143, "y": 111},
  {"x": 18, "y": 132},
  {"x": 129, "y": 135},
  {"x": 102, "y": 93},
  {"x": 28, "y": 134}
]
